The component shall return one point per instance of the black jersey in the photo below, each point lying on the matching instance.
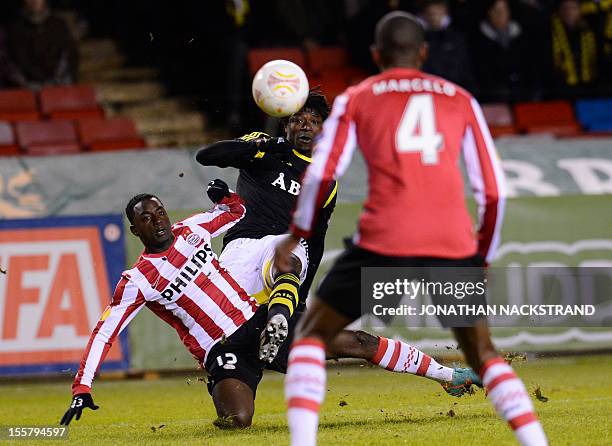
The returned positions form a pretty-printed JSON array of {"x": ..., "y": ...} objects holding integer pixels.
[{"x": 269, "y": 182}]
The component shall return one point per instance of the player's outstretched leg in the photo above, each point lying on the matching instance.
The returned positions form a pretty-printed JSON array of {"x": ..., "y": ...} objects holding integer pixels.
[
  {"x": 234, "y": 402},
  {"x": 505, "y": 390},
  {"x": 282, "y": 304},
  {"x": 306, "y": 374},
  {"x": 401, "y": 357}
]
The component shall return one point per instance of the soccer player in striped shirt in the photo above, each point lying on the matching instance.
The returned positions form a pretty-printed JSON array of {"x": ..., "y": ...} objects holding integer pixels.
[
  {"x": 411, "y": 128},
  {"x": 179, "y": 278}
]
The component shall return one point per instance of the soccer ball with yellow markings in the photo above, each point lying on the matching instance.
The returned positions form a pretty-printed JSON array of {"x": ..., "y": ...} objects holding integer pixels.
[{"x": 280, "y": 88}]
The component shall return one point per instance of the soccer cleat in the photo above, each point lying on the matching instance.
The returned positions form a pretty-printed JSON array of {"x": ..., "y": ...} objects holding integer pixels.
[
  {"x": 273, "y": 336},
  {"x": 463, "y": 378}
]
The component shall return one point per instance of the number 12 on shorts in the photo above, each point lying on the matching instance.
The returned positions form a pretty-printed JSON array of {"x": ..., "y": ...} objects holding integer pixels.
[
  {"x": 227, "y": 361},
  {"x": 419, "y": 114}
]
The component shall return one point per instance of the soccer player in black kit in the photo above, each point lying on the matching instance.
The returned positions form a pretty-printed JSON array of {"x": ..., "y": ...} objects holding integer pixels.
[{"x": 269, "y": 182}]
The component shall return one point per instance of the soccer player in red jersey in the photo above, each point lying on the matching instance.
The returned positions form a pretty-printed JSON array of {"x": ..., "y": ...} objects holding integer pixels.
[
  {"x": 179, "y": 278},
  {"x": 411, "y": 128}
]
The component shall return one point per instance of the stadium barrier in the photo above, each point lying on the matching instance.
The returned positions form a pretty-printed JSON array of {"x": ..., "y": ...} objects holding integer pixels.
[
  {"x": 57, "y": 276},
  {"x": 558, "y": 212}
]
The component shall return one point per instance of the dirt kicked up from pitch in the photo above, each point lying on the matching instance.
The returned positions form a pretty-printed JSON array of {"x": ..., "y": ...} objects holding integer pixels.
[{"x": 364, "y": 406}]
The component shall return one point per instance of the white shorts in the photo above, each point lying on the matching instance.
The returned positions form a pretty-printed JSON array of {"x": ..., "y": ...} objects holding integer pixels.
[{"x": 249, "y": 261}]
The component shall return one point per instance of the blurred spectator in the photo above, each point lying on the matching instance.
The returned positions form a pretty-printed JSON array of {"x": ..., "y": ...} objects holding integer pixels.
[
  {"x": 238, "y": 78},
  {"x": 360, "y": 29},
  {"x": 5, "y": 62},
  {"x": 574, "y": 50},
  {"x": 499, "y": 54},
  {"x": 599, "y": 16},
  {"x": 42, "y": 47},
  {"x": 312, "y": 22},
  {"x": 465, "y": 14},
  {"x": 448, "y": 55}
]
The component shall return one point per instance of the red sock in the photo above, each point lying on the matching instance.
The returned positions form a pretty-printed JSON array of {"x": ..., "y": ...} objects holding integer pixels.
[
  {"x": 511, "y": 400},
  {"x": 305, "y": 390},
  {"x": 398, "y": 356}
]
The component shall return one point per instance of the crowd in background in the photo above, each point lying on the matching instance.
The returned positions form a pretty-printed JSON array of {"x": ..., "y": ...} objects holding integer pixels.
[
  {"x": 521, "y": 50},
  {"x": 37, "y": 48},
  {"x": 500, "y": 50}
]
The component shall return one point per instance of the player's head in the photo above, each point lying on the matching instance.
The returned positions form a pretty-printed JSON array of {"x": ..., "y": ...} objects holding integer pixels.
[
  {"x": 149, "y": 222},
  {"x": 302, "y": 128},
  {"x": 399, "y": 41},
  {"x": 35, "y": 6},
  {"x": 498, "y": 14},
  {"x": 435, "y": 14},
  {"x": 569, "y": 13}
]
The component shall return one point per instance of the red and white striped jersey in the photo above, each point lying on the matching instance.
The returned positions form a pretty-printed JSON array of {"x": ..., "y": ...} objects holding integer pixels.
[
  {"x": 411, "y": 128},
  {"x": 184, "y": 285}
]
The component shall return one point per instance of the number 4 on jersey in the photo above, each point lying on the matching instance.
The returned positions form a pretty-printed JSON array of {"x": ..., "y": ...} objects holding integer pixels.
[{"x": 419, "y": 115}]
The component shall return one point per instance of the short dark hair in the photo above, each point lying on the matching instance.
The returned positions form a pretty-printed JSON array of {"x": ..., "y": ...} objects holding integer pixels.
[
  {"x": 129, "y": 209},
  {"x": 399, "y": 35}
]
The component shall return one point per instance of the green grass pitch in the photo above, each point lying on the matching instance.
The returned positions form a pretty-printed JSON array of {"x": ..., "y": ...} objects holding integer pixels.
[{"x": 364, "y": 406}]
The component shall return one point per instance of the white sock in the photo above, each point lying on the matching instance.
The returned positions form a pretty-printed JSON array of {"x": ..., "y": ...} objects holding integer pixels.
[
  {"x": 397, "y": 356},
  {"x": 511, "y": 400},
  {"x": 305, "y": 390}
]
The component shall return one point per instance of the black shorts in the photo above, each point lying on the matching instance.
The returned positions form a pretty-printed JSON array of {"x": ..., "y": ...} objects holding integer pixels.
[
  {"x": 341, "y": 287},
  {"x": 238, "y": 356}
]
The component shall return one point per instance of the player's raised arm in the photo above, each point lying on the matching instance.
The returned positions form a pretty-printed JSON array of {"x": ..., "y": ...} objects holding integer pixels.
[
  {"x": 246, "y": 151},
  {"x": 126, "y": 303},
  {"x": 229, "y": 209},
  {"x": 487, "y": 180},
  {"x": 332, "y": 156}
]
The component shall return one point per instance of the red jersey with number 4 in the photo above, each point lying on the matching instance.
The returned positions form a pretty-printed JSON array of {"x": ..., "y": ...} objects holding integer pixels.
[{"x": 412, "y": 129}]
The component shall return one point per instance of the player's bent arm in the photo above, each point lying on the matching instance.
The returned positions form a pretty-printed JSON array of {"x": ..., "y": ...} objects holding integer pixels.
[
  {"x": 487, "y": 180},
  {"x": 233, "y": 153},
  {"x": 229, "y": 211},
  {"x": 251, "y": 151}
]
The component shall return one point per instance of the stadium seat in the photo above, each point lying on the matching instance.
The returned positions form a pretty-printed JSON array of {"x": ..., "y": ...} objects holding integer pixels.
[
  {"x": 595, "y": 114},
  {"x": 556, "y": 117},
  {"x": 499, "y": 118},
  {"x": 332, "y": 83},
  {"x": 110, "y": 134},
  {"x": 48, "y": 138},
  {"x": 70, "y": 102},
  {"x": 8, "y": 145},
  {"x": 18, "y": 105},
  {"x": 323, "y": 59},
  {"x": 259, "y": 56}
]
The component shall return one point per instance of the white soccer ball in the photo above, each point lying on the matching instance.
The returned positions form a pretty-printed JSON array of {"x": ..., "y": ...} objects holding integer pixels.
[{"x": 280, "y": 88}]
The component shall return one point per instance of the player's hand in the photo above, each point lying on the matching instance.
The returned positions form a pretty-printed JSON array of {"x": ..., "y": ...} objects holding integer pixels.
[
  {"x": 273, "y": 336},
  {"x": 274, "y": 145},
  {"x": 261, "y": 142},
  {"x": 79, "y": 402},
  {"x": 282, "y": 254},
  {"x": 217, "y": 190}
]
